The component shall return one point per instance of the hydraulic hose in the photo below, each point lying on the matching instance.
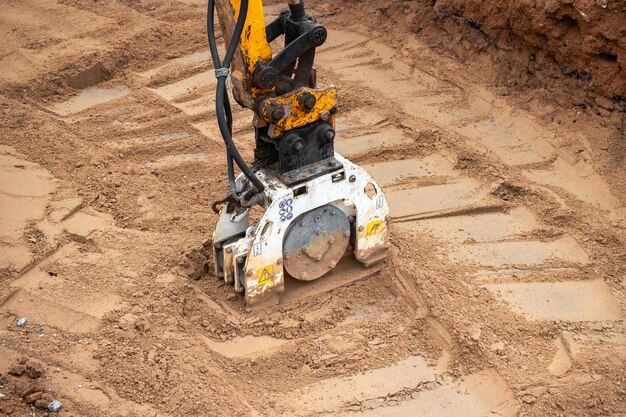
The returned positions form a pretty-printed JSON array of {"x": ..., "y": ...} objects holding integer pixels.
[
  {"x": 227, "y": 108},
  {"x": 222, "y": 103}
]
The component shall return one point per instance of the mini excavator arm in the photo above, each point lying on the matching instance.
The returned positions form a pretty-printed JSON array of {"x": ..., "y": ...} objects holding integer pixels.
[
  {"x": 252, "y": 49},
  {"x": 281, "y": 90}
]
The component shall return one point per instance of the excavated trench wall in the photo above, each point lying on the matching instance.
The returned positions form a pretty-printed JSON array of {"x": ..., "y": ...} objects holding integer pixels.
[
  {"x": 583, "y": 40},
  {"x": 586, "y": 38}
]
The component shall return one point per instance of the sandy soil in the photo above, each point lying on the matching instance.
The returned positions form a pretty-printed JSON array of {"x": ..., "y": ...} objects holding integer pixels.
[{"x": 505, "y": 291}]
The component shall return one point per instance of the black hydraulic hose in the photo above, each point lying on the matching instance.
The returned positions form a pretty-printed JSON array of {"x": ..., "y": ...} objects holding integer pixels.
[
  {"x": 227, "y": 109},
  {"x": 210, "y": 29},
  {"x": 234, "y": 41},
  {"x": 221, "y": 120},
  {"x": 222, "y": 104}
]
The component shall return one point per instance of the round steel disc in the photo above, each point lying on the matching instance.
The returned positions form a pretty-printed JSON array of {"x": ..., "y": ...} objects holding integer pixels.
[{"x": 315, "y": 242}]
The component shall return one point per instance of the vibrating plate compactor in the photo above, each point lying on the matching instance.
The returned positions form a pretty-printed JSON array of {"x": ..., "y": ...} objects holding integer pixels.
[{"x": 317, "y": 206}]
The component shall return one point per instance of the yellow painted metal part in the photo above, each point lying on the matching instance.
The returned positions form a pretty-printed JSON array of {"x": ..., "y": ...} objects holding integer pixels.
[
  {"x": 254, "y": 50},
  {"x": 296, "y": 115},
  {"x": 254, "y": 45}
]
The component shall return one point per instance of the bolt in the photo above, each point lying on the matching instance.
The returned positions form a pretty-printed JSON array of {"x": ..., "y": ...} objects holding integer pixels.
[
  {"x": 288, "y": 255},
  {"x": 277, "y": 114},
  {"x": 229, "y": 250},
  {"x": 329, "y": 135},
  {"x": 250, "y": 272},
  {"x": 352, "y": 178},
  {"x": 318, "y": 232},
  {"x": 299, "y": 254},
  {"x": 298, "y": 147},
  {"x": 360, "y": 228},
  {"x": 333, "y": 264},
  {"x": 317, "y": 36},
  {"x": 332, "y": 212},
  {"x": 264, "y": 77},
  {"x": 317, "y": 219},
  {"x": 319, "y": 258},
  {"x": 346, "y": 233},
  {"x": 239, "y": 260},
  {"x": 279, "y": 261},
  {"x": 268, "y": 79},
  {"x": 324, "y": 115},
  {"x": 302, "y": 222},
  {"x": 307, "y": 101},
  {"x": 331, "y": 239}
]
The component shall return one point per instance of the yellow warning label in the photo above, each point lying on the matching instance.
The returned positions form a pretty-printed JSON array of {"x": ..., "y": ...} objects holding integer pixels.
[
  {"x": 374, "y": 228},
  {"x": 264, "y": 275}
]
